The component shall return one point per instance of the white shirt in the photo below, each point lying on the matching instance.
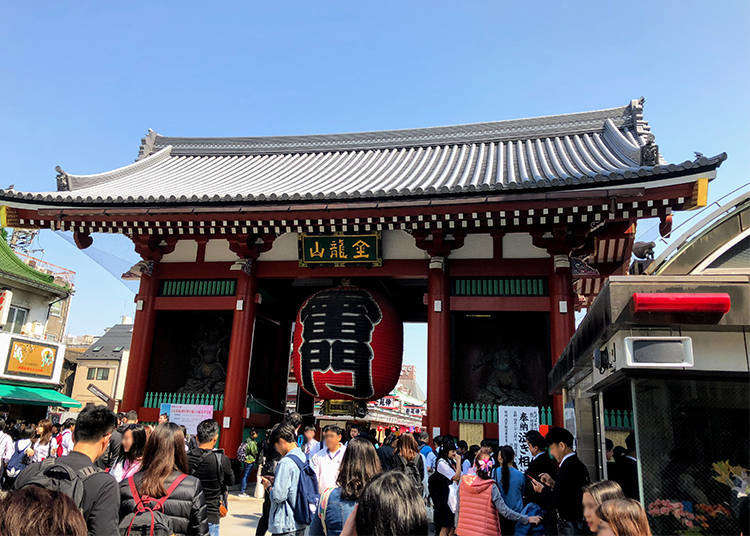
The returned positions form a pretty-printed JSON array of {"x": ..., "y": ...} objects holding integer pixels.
[
  {"x": 67, "y": 441},
  {"x": 311, "y": 448},
  {"x": 326, "y": 466},
  {"x": 444, "y": 468},
  {"x": 6, "y": 447},
  {"x": 565, "y": 458},
  {"x": 537, "y": 455},
  {"x": 44, "y": 451}
]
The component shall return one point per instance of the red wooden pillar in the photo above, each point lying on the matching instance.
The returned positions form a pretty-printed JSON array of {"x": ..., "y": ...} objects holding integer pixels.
[
  {"x": 562, "y": 320},
  {"x": 142, "y": 341},
  {"x": 238, "y": 362},
  {"x": 438, "y": 347}
]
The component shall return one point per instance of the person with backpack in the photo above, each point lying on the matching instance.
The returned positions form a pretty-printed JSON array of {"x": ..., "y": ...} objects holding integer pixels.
[
  {"x": 21, "y": 455},
  {"x": 409, "y": 460},
  {"x": 131, "y": 458},
  {"x": 162, "y": 498},
  {"x": 92, "y": 490},
  {"x": 65, "y": 439},
  {"x": 247, "y": 454},
  {"x": 214, "y": 471},
  {"x": 294, "y": 491},
  {"x": 44, "y": 444}
]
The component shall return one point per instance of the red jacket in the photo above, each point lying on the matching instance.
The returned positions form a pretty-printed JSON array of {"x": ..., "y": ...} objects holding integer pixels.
[{"x": 477, "y": 515}]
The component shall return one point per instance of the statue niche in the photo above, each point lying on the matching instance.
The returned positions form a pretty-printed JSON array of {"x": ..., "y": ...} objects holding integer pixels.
[{"x": 208, "y": 353}]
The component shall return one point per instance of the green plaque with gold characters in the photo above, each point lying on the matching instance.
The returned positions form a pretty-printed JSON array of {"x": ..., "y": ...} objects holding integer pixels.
[{"x": 340, "y": 249}]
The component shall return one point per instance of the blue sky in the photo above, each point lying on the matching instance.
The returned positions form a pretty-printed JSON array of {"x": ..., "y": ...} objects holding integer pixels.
[{"x": 81, "y": 83}]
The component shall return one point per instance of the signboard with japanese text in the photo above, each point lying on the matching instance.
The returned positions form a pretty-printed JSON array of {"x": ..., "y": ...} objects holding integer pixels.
[
  {"x": 29, "y": 359},
  {"x": 337, "y": 407},
  {"x": 340, "y": 249},
  {"x": 514, "y": 422},
  {"x": 187, "y": 415},
  {"x": 389, "y": 402},
  {"x": 26, "y": 358}
]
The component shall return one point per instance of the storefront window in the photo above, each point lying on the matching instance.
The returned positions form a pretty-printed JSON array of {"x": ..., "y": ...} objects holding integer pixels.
[{"x": 693, "y": 447}]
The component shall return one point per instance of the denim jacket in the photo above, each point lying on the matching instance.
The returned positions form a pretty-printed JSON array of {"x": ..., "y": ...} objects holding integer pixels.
[
  {"x": 283, "y": 494},
  {"x": 336, "y": 511}
]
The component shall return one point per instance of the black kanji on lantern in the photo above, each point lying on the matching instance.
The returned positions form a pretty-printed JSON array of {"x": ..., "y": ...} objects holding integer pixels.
[{"x": 337, "y": 328}]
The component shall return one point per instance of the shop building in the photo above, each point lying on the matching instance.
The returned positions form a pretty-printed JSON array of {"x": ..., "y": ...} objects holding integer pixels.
[
  {"x": 671, "y": 351},
  {"x": 31, "y": 356}
]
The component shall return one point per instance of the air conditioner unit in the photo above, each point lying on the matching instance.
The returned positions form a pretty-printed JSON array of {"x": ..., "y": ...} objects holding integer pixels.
[
  {"x": 641, "y": 352},
  {"x": 659, "y": 352}
]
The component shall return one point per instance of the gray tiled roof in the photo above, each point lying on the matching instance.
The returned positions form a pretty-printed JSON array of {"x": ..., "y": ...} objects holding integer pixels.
[
  {"x": 110, "y": 345},
  {"x": 545, "y": 152}
]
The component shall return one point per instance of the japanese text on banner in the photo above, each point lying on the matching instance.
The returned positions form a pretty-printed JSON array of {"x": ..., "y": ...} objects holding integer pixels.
[{"x": 514, "y": 422}]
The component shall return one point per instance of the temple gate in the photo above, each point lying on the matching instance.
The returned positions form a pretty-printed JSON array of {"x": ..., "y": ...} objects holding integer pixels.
[{"x": 493, "y": 234}]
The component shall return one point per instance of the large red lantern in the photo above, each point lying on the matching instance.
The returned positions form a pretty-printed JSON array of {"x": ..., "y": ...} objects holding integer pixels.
[{"x": 348, "y": 345}]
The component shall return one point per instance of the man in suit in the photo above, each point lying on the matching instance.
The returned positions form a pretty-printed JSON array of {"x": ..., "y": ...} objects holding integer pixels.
[
  {"x": 627, "y": 475},
  {"x": 566, "y": 491},
  {"x": 540, "y": 464}
]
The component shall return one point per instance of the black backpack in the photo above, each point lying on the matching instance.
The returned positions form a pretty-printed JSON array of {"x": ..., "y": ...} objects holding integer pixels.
[
  {"x": 149, "y": 518},
  {"x": 57, "y": 476}
]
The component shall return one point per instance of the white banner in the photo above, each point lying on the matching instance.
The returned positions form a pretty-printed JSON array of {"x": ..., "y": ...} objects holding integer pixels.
[
  {"x": 514, "y": 422},
  {"x": 187, "y": 415}
]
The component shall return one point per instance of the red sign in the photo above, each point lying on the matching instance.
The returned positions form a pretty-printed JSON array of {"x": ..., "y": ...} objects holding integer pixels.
[
  {"x": 6, "y": 296},
  {"x": 348, "y": 345}
]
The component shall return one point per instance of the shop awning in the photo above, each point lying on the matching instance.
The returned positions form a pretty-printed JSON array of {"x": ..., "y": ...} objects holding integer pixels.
[{"x": 35, "y": 396}]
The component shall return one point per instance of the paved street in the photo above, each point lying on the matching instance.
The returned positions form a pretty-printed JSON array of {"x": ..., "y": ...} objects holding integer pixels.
[{"x": 243, "y": 516}]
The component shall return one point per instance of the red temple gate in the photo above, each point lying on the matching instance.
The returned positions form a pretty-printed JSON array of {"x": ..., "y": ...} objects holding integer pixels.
[{"x": 496, "y": 208}]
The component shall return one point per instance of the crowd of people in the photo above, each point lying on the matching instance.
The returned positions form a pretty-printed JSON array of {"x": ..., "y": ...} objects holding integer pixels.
[
  {"x": 365, "y": 487},
  {"x": 106, "y": 474}
]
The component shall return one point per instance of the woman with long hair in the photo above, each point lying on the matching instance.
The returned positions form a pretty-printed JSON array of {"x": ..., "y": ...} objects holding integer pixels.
[
  {"x": 129, "y": 461},
  {"x": 594, "y": 496},
  {"x": 510, "y": 481},
  {"x": 44, "y": 445},
  {"x": 480, "y": 501},
  {"x": 164, "y": 461},
  {"x": 390, "y": 505},
  {"x": 36, "y": 511},
  {"x": 622, "y": 517},
  {"x": 408, "y": 459},
  {"x": 447, "y": 472},
  {"x": 359, "y": 465}
]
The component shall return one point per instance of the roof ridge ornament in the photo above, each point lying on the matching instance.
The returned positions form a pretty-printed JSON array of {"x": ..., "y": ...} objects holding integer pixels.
[
  {"x": 147, "y": 144},
  {"x": 63, "y": 184},
  {"x": 641, "y": 126}
]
